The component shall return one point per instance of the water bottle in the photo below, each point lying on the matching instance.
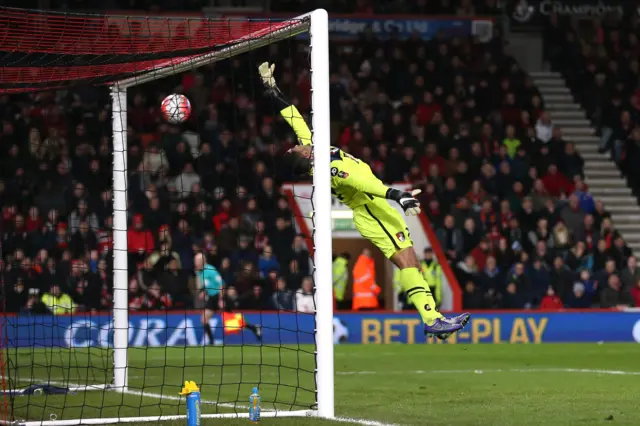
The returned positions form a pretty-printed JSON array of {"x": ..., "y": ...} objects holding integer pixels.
[
  {"x": 254, "y": 406},
  {"x": 192, "y": 393},
  {"x": 193, "y": 409}
]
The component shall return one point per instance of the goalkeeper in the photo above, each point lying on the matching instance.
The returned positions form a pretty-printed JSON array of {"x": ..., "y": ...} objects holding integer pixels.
[{"x": 355, "y": 185}]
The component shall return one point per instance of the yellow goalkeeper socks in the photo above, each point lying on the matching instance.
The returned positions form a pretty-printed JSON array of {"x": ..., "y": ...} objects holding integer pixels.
[{"x": 418, "y": 293}]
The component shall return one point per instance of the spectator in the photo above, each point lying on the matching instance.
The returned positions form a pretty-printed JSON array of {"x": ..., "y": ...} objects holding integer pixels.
[
  {"x": 33, "y": 304},
  {"x": 450, "y": 238},
  {"x": 185, "y": 182},
  {"x": 539, "y": 275},
  {"x": 267, "y": 262},
  {"x": 156, "y": 299},
  {"x": 555, "y": 183},
  {"x": 613, "y": 296},
  {"x": 245, "y": 253},
  {"x": 492, "y": 278},
  {"x": 83, "y": 240},
  {"x": 282, "y": 299},
  {"x": 551, "y": 301},
  {"x": 81, "y": 214},
  {"x": 560, "y": 277},
  {"x": 160, "y": 259},
  {"x": 467, "y": 270},
  {"x": 544, "y": 128},
  {"x": 246, "y": 279},
  {"x": 140, "y": 240},
  {"x": 253, "y": 300},
  {"x": 587, "y": 232},
  {"x": 572, "y": 163},
  {"x": 305, "y": 298},
  {"x": 579, "y": 299},
  {"x": 226, "y": 270},
  {"x": 579, "y": 259},
  {"x": 470, "y": 236},
  {"x": 175, "y": 283},
  {"x": 635, "y": 294},
  {"x": 154, "y": 160},
  {"x": 300, "y": 253},
  {"x": 232, "y": 300},
  {"x": 572, "y": 215},
  {"x": 473, "y": 297},
  {"x": 619, "y": 251},
  {"x": 513, "y": 299},
  {"x": 85, "y": 287},
  {"x": 631, "y": 274},
  {"x": 228, "y": 236}
]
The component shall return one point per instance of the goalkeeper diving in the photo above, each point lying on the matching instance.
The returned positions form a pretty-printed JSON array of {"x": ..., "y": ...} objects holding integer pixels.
[{"x": 355, "y": 185}]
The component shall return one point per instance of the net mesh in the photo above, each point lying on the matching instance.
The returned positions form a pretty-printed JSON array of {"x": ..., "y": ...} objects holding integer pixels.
[
  {"x": 210, "y": 186},
  {"x": 42, "y": 50}
]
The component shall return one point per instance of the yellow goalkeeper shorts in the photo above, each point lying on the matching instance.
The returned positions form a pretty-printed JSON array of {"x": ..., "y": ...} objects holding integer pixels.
[{"x": 383, "y": 225}]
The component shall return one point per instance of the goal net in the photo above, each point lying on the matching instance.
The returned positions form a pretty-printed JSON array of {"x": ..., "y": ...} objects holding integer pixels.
[{"x": 119, "y": 215}]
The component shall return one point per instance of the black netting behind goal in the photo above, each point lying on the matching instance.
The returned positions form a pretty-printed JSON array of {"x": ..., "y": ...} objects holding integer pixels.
[{"x": 95, "y": 330}]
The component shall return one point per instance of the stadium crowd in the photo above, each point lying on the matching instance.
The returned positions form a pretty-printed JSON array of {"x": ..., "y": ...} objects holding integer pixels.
[
  {"x": 502, "y": 188},
  {"x": 599, "y": 58}
]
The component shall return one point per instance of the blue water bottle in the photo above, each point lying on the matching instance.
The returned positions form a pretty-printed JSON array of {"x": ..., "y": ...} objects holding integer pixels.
[
  {"x": 192, "y": 393},
  {"x": 254, "y": 406}
]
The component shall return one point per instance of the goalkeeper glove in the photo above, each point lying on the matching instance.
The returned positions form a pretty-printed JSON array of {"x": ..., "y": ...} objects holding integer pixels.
[
  {"x": 407, "y": 200},
  {"x": 266, "y": 74}
]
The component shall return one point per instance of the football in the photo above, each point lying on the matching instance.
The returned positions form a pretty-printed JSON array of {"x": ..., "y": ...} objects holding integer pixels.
[{"x": 176, "y": 108}]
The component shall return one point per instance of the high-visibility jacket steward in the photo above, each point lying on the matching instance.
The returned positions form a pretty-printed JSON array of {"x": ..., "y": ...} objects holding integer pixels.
[
  {"x": 365, "y": 289},
  {"x": 60, "y": 305},
  {"x": 340, "y": 277}
]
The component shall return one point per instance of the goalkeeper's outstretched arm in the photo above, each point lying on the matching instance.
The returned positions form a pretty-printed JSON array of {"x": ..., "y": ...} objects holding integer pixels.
[{"x": 288, "y": 111}]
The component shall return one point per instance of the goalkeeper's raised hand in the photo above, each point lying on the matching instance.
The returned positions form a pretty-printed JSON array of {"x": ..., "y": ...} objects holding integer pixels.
[
  {"x": 407, "y": 200},
  {"x": 266, "y": 74}
]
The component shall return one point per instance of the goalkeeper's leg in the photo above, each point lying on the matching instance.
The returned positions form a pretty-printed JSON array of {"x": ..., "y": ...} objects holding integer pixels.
[{"x": 385, "y": 228}]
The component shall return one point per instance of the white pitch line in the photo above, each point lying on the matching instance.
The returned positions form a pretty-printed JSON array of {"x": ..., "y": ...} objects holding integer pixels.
[
  {"x": 77, "y": 387},
  {"x": 394, "y": 372},
  {"x": 499, "y": 370},
  {"x": 361, "y": 421}
]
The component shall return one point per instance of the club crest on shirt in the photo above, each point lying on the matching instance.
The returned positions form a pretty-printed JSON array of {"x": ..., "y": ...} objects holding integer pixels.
[
  {"x": 339, "y": 173},
  {"x": 400, "y": 236}
]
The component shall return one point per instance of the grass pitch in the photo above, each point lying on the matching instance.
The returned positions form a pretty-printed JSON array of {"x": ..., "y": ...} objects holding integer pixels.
[{"x": 474, "y": 385}]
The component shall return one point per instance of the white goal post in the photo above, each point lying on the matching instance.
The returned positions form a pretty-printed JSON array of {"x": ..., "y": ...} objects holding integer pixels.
[{"x": 316, "y": 23}]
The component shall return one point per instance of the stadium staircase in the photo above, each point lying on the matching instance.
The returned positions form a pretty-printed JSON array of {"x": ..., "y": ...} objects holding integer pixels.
[{"x": 601, "y": 174}]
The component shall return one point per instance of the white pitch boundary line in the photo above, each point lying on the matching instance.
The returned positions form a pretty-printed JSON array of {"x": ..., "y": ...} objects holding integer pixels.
[
  {"x": 361, "y": 421},
  {"x": 499, "y": 370},
  {"x": 478, "y": 371}
]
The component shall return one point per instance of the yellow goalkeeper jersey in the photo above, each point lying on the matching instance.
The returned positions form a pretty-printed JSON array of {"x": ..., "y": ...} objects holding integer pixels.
[{"x": 352, "y": 181}]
